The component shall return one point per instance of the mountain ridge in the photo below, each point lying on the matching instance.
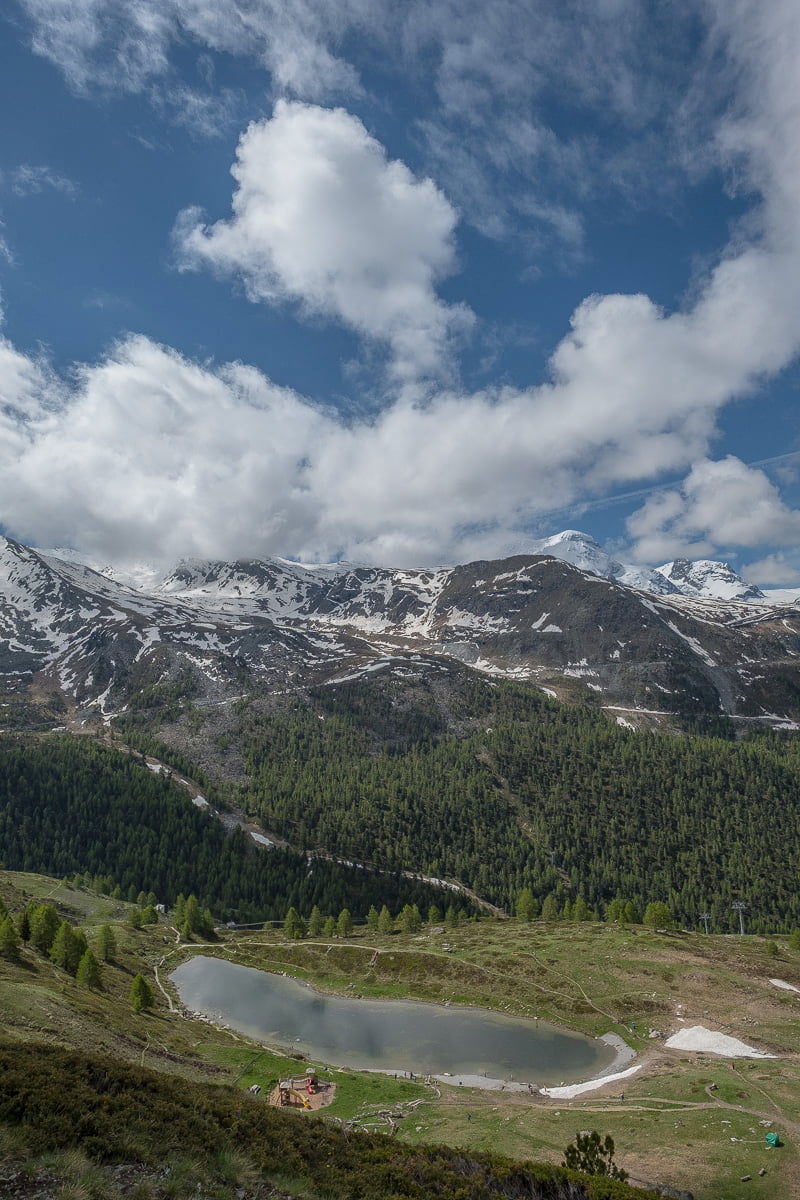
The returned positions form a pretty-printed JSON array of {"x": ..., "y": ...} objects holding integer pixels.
[{"x": 96, "y": 641}]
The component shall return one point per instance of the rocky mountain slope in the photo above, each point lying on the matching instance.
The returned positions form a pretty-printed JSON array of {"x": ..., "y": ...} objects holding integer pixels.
[{"x": 86, "y": 642}]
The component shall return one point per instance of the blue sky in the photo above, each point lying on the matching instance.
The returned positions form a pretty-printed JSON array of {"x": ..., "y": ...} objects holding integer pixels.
[{"x": 405, "y": 284}]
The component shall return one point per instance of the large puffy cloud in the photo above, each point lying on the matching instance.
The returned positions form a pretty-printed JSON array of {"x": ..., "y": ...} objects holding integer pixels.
[
  {"x": 149, "y": 455},
  {"x": 321, "y": 217},
  {"x": 633, "y": 391},
  {"x": 774, "y": 570},
  {"x": 724, "y": 503}
]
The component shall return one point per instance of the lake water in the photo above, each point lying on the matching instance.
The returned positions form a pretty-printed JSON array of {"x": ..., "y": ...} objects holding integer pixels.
[{"x": 389, "y": 1035}]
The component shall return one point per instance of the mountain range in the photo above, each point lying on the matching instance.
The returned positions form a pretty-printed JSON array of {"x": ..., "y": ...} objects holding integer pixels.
[{"x": 688, "y": 640}]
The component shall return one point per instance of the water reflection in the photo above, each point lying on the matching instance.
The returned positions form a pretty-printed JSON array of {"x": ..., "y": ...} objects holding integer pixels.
[{"x": 392, "y": 1035}]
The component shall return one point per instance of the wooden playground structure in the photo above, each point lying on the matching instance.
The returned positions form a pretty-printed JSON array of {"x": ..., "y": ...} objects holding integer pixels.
[{"x": 304, "y": 1092}]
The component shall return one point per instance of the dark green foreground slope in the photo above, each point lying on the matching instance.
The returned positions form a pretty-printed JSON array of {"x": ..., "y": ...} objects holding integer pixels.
[{"x": 118, "y": 1113}]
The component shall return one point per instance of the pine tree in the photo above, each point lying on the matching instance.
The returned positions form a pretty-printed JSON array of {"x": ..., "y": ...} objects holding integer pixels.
[
  {"x": 64, "y": 950},
  {"x": 329, "y": 928},
  {"x": 106, "y": 943},
  {"x": 581, "y": 910},
  {"x": 406, "y": 920},
  {"x": 593, "y": 1156},
  {"x": 344, "y": 925},
  {"x": 141, "y": 994},
  {"x": 134, "y": 918},
  {"x": 24, "y": 925},
  {"x": 658, "y": 916},
  {"x": 451, "y": 917},
  {"x": 527, "y": 906},
  {"x": 294, "y": 927},
  {"x": 191, "y": 914},
  {"x": 149, "y": 915},
  {"x": 88, "y": 973},
  {"x": 434, "y": 915},
  {"x": 794, "y": 939},
  {"x": 180, "y": 908},
  {"x": 385, "y": 922},
  {"x": 550, "y": 908},
  {"x": 372, "y": 917},
  {"x": 9, "y": 939},
  {"x": 44, "y": 925},
  {"x": 315, "y": 922}
]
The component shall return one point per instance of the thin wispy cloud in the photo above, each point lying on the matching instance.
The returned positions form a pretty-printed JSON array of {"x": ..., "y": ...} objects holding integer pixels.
[{"x": 29, "y": 180}]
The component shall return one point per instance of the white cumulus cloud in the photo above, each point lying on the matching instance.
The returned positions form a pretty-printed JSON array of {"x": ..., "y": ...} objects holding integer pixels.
[
  {"x": 774, "y": 570},
  {"x": 323, "y": 218},
  {"x": 724, "y": 503},
  {"x": 147, "y": 449}
]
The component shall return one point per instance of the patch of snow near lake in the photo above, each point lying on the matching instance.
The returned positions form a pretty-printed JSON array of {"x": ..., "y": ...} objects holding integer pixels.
[
  {"x": 697, "y": 1037},
  {"x": 262, "y": 841},
  {"x": 577, "y": 1089},
  {"x": 200, "y": 801},
  {"x": 787, "y": 987}
]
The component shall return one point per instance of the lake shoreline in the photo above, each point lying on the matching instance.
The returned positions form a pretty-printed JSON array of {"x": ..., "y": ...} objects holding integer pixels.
[
  {"x": 531, "y": 1078},
  {"x": 624, "y": 1054}
]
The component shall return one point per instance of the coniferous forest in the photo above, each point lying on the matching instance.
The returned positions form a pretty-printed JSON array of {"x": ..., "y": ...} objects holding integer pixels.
[
  {"x": 74, "y": 806},
  {"x": 485, "y": 782},
  {"x": 530, "y": 793}
]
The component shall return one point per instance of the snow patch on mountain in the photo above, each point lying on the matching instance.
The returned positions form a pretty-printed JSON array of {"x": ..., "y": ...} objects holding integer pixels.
[{"x": 708, "y": 580}]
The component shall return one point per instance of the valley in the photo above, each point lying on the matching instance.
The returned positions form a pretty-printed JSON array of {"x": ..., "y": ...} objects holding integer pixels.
[
  {"x": 548, "y": 786},
  {"x": 689, "y": 1119}
]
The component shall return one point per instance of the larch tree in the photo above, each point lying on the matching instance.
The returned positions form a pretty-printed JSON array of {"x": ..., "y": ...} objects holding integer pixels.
[
  {"x": 89, "y": 974},
  {"x": 141, "y": 994}
]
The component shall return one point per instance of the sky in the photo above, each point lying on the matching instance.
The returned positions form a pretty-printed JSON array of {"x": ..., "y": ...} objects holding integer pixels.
[{"x": 404, "y": 284}]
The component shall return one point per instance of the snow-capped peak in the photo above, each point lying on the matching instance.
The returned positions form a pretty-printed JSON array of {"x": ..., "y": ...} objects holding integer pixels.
[
  {"x": 709, "y": 580},
  {"x": 586, "y": 554}
]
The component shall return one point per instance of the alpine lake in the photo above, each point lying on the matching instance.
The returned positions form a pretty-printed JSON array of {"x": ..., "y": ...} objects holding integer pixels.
[{"x": 402, "y": 1036}]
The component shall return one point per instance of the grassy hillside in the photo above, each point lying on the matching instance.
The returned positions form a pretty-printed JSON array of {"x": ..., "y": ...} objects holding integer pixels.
[{"x": 672, "y": 1127}]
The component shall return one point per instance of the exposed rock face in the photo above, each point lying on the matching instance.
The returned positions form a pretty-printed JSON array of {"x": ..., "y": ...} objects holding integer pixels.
[{"x": 274, "y": 625}]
